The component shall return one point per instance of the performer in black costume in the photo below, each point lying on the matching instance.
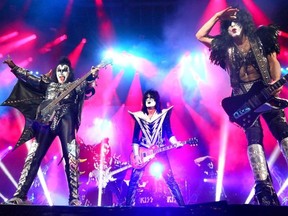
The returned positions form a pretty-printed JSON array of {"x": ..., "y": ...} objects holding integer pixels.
[
  {"x": 29, "y": 95},
  {"x": 249, "y": 55},
  {"x": 153, "y": 123}
]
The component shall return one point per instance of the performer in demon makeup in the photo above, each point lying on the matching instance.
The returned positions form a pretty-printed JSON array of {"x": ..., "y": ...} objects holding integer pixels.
[
  {"x": 249, "y": 55},
  {"x": 153, "y": 123},
  {"x": 33, "y": 94}
]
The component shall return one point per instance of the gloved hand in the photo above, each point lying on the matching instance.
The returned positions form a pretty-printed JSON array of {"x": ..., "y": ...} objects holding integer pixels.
[{"x": 9, "y": 62}]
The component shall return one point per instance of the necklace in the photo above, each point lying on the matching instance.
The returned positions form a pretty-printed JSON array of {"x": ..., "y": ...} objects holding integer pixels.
[{"x": 244, "y": 47}]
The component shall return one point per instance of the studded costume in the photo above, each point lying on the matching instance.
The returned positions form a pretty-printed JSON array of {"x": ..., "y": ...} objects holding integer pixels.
[{"x": 28, "y": 95}]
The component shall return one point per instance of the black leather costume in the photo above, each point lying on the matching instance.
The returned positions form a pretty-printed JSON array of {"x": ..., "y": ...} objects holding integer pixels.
[{"x": 30, "y": 92}]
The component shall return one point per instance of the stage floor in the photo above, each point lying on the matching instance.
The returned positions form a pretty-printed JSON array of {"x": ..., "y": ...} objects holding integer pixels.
[{"x": 205, "y": 209}]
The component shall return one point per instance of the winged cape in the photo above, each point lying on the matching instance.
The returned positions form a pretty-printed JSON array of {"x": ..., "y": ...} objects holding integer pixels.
[{"x": 26, "y": 99}]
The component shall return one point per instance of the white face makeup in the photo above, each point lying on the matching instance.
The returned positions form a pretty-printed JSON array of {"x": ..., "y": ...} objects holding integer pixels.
[
  {"x": 150, "y": 102},
  {"x": 62, "y": 73},
  {"x": 235, "y": 29}
]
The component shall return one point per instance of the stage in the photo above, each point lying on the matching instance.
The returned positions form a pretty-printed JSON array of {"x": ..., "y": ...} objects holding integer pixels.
[{"x": 207, "y": 209}]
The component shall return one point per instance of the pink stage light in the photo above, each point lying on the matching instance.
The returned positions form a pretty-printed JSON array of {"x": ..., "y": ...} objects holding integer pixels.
[
  {"x": 258, "y": 15},
  {"x": 106, "y": 29},
  {"x": 75, "y": 54},
  {"x": 211, "y": 9},
  {"x": 47, "y": 47},
  {"x": 25, "y": 40},
  {"x": 99, "y": 3},
  {"x": 134, "y": 97},
  {"x": 221, "y": 159},
  {"x": 16, "y": 44},
  {"x": 8, "y": 174},
  {"x": 283, "y": 34},
  {"x": 5, "y": 152},
  {"x": 8, "y": 36}
]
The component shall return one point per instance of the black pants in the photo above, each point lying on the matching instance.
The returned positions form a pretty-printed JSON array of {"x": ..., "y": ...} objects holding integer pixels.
[
  {"x": 277, "y": 124},
  {"x": 44, "y": 137}
]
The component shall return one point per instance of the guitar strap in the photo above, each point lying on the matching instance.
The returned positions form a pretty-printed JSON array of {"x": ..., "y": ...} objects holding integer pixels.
[
  {"x": 238, "y": 87},
  {"x": 261, "y": 60}
]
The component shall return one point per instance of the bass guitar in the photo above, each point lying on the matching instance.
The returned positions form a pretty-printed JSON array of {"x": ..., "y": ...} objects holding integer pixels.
[
  {"x": 46, "y": 111},
  {"x": 245, "y": 109},
  {"x": 147, "y": 154}
]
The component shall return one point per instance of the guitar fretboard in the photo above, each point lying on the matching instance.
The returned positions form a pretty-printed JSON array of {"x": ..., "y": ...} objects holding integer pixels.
[
  {"x": 71, "y": 87},
  {"x": 267, "y": 92},
  {"x": 166, "y": 148},
  {"x": 120, "y": 170},
  {"x": 67, "y": 91}
]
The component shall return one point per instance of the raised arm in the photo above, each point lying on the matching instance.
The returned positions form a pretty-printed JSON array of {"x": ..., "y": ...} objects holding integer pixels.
[
  {"x": 25, "y": 75},
  {"x": 203, "y": 33}
]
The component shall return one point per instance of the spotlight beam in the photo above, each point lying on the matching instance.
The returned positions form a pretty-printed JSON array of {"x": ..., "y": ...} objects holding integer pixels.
[{"x": 221, "y": 160}]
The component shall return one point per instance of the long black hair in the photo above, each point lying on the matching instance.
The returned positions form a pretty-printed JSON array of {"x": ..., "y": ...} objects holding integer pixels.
[
  {"x": 222, "y": 42},
  {"x": 63, "y": 61},
  {"x": 245, "y": 19},
  {"x": 155, "y": 95}
]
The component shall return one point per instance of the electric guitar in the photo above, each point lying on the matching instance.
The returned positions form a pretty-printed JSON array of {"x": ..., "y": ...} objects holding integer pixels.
[
  {"x": 47, "y": 110},
  {"x": 147, "y": 154},
  {"x": 245, "y": 109},
  {"x": 107, "y": 176}
]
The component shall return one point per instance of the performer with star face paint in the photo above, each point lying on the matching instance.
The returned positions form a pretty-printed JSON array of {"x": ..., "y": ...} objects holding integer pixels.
[
  {"x": 152, "y": 126},
  {"x": 249, "y": 55},
  {"x": 28, "y": 95}
]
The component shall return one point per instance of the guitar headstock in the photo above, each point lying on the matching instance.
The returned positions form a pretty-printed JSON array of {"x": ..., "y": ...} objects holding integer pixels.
[
  {"x": 192, "y": 141},
  {"x": 105, "y": 62}
]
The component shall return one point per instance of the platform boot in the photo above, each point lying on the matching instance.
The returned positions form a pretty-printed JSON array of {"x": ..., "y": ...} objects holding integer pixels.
[
  {"x": 133, "y": 185},
  {"x": 175, "y": 190},
  {"x": 72, "y": 173},
  {"x": 27, "y": 177},
  {"x": 264, "y": 191},
  {"x": 284, "y": 148}
]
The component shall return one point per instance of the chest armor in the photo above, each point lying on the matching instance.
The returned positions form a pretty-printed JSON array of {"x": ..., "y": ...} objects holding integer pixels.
[
  {"x": 255, "y": 57},
  {"x": 152, "y": 128},
  {"x": 55, "y": 89}
]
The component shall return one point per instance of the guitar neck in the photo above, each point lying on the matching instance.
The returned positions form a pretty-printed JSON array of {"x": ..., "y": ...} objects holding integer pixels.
[
  {"x": 168, "y": 147},
  {"x": 71, "y": 87},
  {"x": 120, "y": 170},
  {"x": 165, "y": 148},
  {"x": 276, "y": 85}
]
